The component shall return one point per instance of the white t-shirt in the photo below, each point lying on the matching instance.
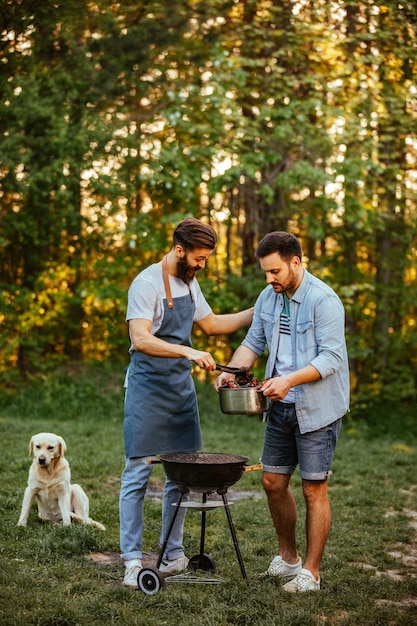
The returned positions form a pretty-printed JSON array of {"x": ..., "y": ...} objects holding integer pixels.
[{"x": 147, "y": 293}]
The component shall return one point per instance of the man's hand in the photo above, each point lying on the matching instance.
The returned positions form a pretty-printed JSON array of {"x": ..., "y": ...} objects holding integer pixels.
[
  {"x": 222, "y": 380},
  {"x": 276, "y": 388},
  {"x": 202, "y": 359}
]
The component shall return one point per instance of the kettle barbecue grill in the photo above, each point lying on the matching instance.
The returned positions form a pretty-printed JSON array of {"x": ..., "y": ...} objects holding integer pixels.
[{"x": 205, "y": 473}]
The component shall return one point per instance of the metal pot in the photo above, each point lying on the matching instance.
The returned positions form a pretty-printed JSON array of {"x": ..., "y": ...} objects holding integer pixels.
[
  {"x": 204, "y": 471},
  {"x": 242, "y": 400}
]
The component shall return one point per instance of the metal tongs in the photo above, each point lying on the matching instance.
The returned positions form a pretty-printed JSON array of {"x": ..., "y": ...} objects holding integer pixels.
[{"x": 240, "y": 373}]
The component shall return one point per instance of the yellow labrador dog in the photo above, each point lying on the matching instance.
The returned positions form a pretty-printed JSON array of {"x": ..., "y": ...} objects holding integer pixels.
[{"x": 49, "y": 484}]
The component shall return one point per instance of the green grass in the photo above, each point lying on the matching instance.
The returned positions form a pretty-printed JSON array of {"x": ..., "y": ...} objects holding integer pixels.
[{"x": 47, "y": 576}]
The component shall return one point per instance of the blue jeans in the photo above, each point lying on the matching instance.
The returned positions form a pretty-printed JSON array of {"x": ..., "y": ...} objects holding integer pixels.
[
  {"x": 135, "y": 478},
  {"x": 285, "y": 447}
]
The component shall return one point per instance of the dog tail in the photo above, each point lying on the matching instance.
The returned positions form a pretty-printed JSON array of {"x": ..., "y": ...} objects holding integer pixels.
[{"x": 89, "y": 521}]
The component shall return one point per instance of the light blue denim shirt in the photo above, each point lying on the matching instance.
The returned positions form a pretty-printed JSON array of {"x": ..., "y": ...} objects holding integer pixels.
[{"x": 317, "y": 325}]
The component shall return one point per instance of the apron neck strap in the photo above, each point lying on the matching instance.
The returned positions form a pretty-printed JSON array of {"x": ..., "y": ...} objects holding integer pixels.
[{"x": 166, "y": 283}]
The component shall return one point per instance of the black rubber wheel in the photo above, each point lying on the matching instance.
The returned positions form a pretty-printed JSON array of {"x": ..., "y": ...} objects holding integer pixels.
[
  {"x": 203, "y": 562},
  {"x": 150, "y": 580}
]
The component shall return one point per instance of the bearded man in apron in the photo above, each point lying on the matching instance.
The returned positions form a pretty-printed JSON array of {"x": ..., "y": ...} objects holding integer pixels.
[{"x": 161, "y": 412}]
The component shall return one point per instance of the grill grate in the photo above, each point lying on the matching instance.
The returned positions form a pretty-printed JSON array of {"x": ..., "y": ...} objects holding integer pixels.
[{"x": 204, "y": 458}]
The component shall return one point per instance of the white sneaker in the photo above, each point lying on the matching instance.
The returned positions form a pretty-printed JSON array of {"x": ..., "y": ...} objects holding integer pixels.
[
  {"x": 175, "y": 566},
  {"x": 304, "y": 581},
  {"x": 279, "y": 567},
  {"x": 132, "y": 569}
]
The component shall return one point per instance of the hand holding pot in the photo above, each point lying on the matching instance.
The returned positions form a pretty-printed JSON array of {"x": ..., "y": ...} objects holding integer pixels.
[
  {"x": 221, "y": 380},
  {"x": 276, "y": 388}
]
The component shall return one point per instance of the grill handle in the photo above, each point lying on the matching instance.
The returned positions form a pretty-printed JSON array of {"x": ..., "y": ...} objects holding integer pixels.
[{"x": 251, "y": 468}]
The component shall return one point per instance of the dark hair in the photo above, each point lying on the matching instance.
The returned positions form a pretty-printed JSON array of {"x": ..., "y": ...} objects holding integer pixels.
[
  {"x": 286, "y": 244},
  {"x": 191, "y": 234}
]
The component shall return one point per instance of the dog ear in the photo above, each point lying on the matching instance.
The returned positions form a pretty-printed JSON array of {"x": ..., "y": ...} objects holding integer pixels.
[
  {"x": 31, "y": 447},
  {"x": 62, "y": 446}
]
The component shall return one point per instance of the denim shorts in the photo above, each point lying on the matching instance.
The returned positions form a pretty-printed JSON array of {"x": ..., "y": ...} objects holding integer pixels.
[{"x": 285, "y": 447}]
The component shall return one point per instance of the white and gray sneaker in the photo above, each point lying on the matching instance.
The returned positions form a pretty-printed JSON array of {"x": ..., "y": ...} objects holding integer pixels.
[
  {"x": 175, "y": 566},
  {"x": 304, "y": 581},
  {"x": 279, "y": 567},
  {"x": 132, "y": 569}
]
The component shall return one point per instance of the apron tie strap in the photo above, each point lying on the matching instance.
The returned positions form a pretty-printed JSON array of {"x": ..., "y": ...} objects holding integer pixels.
[{"x": 166, "y": 283}]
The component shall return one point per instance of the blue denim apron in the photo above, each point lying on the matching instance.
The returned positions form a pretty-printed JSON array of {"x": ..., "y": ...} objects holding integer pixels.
[{"x": 161, "y": 413}]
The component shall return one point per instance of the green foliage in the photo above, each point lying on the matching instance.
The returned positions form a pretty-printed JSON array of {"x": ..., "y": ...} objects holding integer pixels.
[{"x": 120, "y": 119}]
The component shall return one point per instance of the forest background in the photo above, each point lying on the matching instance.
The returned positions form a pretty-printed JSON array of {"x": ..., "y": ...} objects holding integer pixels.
[{"x": 119, "y": 119}]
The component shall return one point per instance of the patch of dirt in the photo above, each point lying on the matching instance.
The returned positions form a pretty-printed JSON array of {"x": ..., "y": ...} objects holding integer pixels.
[
  {"x": 403, "y": 603},
  {"x": 406, "y": 553},
  {"x": 113, "y": 558}
]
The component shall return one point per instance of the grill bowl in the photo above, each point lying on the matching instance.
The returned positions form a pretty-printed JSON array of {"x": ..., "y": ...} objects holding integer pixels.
[
  {"x": 203, "y": 471},
  {"x": 242, "y": 401}
]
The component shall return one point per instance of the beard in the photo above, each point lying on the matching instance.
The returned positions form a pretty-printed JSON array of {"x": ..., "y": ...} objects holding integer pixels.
[
  {"x": 290, "y": 283},
  {"x": 185, "y": 271}
]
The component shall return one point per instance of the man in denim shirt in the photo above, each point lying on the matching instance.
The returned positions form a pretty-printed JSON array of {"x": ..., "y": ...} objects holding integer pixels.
[{"x": 301, "y": 321}]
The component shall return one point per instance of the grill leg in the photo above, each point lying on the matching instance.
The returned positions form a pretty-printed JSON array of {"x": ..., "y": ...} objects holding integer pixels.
[
  {"x": 171, "y": 525},
  {"x": 233, "y": 533},
  {"x": 203, "y": 526}
]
